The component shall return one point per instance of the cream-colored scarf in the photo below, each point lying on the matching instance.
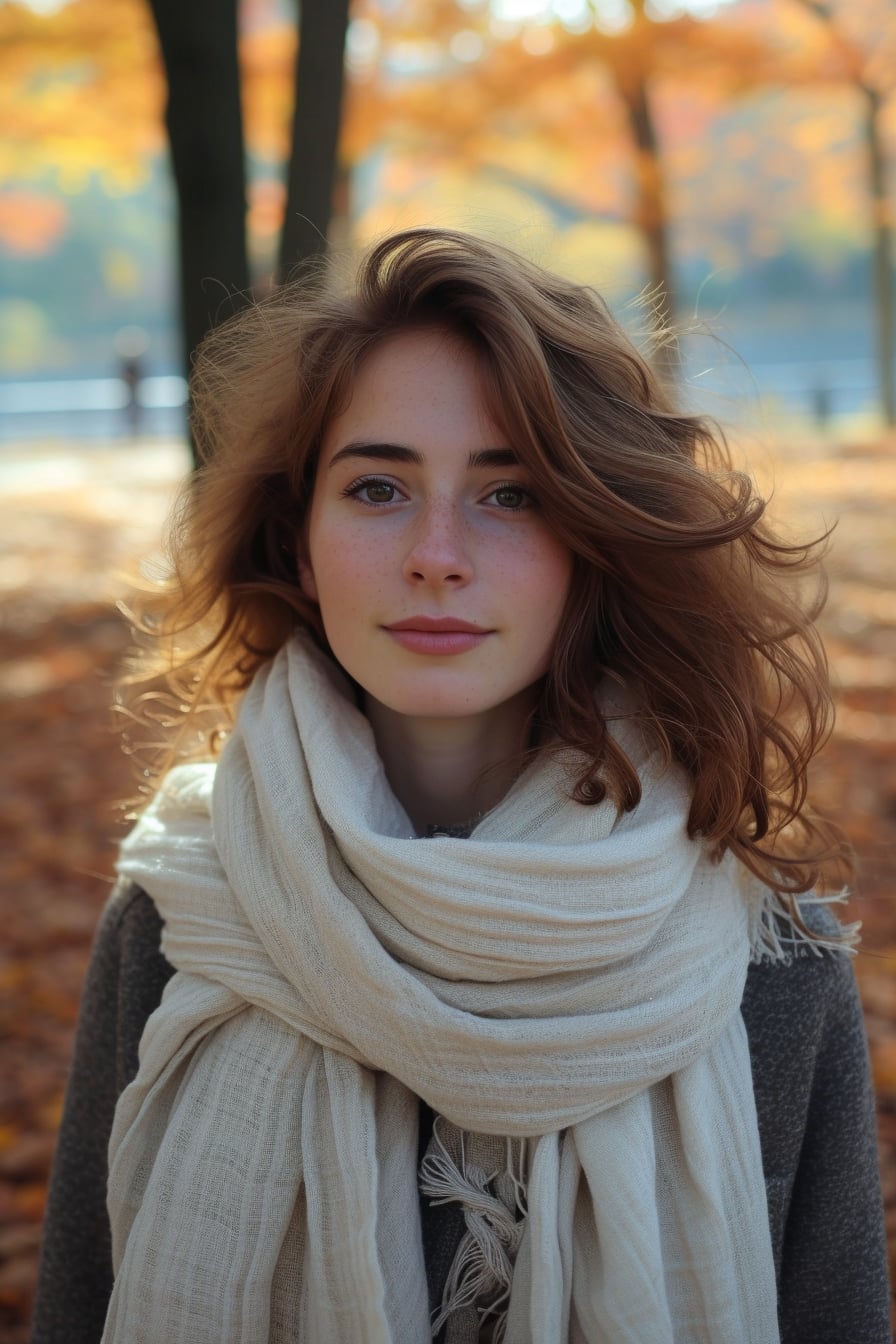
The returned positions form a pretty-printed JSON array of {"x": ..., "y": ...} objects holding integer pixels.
[{"x": 568, "y": 974}]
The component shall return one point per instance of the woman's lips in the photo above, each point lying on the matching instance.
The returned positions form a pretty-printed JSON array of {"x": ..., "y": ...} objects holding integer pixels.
[{"x": 437, "y": 635}]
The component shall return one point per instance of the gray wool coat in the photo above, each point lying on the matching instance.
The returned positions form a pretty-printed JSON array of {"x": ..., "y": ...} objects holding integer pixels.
[{"x": 813, "y": 1097}]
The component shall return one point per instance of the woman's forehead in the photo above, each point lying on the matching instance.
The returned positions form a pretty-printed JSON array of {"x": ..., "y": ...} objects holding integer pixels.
[{"x": 416, "y": 383}]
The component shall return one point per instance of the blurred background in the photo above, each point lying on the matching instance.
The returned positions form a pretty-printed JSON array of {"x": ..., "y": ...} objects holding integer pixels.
[
  {"x": 735, "y": 154},
  {"x": 725, "y": 165}
]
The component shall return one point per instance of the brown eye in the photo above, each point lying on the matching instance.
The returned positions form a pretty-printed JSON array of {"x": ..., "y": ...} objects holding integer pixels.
[
  {"x": 379, "y": 492},
  {"x": 372, "y": 491},
  {"x": 510, "y": 497}
]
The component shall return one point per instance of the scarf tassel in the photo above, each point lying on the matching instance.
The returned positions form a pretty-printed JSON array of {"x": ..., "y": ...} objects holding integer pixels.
[{"x": 482, "y": 1269}]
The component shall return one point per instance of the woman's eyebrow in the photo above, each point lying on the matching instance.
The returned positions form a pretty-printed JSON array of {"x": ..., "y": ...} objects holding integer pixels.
[{"x": 396, "y": 452}]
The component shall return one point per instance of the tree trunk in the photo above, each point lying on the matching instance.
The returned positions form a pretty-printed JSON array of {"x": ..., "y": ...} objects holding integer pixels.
[
  {"x": 881, "y": 229},
  {"x": 883, "y": 254},
  {"x": 651, "y": 213},
  {"x": 651, "y": 208},
  {"x": 315, "y": 131},
  {"x": 198, "y": 40}
]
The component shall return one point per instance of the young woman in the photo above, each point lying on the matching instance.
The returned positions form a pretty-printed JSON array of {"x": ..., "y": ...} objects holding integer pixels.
[{"x": 494, "y": 1007}]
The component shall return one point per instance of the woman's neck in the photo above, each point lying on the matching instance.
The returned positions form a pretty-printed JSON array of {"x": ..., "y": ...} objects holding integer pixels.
[{"x": 449, "y": 771}]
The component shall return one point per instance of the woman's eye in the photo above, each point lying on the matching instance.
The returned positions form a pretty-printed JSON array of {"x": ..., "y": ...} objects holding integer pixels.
[
  {"x": 373, "y": 491},
  {"x": 511, "y": 497}
]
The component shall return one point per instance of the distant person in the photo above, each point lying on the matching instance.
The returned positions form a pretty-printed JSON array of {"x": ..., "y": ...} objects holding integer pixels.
[
  {"x": 130, "y": 347},
  {"x": 499, "y": 998},
  {"x": 822, "y": 404}
]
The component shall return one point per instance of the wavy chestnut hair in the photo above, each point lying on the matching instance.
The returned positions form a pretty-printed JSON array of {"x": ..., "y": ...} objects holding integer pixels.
[{"x": 680, "y": 591}]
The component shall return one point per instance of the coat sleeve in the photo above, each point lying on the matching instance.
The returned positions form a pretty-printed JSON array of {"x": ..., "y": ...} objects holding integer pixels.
[
  {"x": 834, "y": 1258},
  {"x": 124, "y": 983},
  {"x": 819, "y": 1144}
]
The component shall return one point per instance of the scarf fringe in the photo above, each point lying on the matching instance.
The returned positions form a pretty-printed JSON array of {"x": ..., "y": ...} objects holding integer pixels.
[
  {"x": 483, "y": 1264},
  {"x": 775, "y": 937}
]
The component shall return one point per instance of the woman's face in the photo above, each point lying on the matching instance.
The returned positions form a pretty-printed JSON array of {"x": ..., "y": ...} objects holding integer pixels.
[{"x": 439, "y": 583}]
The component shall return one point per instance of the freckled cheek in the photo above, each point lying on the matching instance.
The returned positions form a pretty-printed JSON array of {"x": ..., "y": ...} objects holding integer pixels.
[
  {"x": 347, "y": 567},
  {"x": 541, "y": 574}
]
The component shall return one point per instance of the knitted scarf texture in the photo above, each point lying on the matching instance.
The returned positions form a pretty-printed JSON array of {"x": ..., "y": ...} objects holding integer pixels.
[{"x": 570, "y": 976}]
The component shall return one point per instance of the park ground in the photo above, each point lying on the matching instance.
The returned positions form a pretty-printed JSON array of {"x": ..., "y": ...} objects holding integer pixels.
[{"x": 77, "y": 521}]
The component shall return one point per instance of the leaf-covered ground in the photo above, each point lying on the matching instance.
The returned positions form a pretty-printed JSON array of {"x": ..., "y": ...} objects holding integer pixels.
[{"x": 75, "y": 522}]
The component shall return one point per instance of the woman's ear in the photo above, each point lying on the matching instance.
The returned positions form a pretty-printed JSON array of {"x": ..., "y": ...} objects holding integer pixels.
[{"x": 306, "y": 574}]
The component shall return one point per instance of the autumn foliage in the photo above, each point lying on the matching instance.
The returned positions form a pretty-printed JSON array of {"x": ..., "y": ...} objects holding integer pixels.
[{"x": 543, "y": 106}]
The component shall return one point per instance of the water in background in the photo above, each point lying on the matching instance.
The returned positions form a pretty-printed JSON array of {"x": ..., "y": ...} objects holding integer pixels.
[
  {"x": 816, "y": 366},
  {"x": 812, "y": 362},
  {"x": 93, "y": 408}
]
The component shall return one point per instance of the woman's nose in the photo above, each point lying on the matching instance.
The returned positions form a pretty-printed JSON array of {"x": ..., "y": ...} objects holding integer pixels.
[{"x": 439, "y": 550}]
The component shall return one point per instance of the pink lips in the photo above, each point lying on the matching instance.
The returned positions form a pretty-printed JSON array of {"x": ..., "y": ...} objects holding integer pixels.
[{"x": 437, "y": 635}]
